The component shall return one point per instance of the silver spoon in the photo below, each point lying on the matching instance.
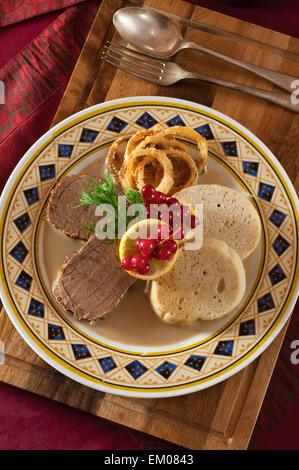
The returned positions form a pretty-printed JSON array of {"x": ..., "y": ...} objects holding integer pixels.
[{"x": 158, "y": 36}]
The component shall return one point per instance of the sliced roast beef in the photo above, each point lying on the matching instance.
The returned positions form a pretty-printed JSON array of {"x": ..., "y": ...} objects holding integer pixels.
[
  {"x": 92, "y": 282},
  {"x": 62, "y": 211}
]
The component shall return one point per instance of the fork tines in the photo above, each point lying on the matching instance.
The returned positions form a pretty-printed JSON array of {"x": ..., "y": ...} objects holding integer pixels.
[{"x": 133, "y": 62}]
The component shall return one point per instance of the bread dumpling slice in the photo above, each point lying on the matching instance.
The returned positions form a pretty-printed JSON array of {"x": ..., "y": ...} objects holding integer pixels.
[
  {"x": 227, "y": 215},
  {"x": 203, "y": 284}
]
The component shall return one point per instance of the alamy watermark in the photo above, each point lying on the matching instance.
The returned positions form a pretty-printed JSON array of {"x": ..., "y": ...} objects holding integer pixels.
[
  {"x": 295, "y": 354},
  {"x": 178, "y": 221}
]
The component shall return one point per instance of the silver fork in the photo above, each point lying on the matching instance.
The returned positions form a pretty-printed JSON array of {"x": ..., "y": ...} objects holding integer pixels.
[{"x": 167, "y": 73}]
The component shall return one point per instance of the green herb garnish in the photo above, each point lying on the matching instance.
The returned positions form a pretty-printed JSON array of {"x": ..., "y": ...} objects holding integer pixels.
[
  {"x": 97, "y": 194},
  {"x": 133, "y": 196},
  {"x": 89, "y": 227}
]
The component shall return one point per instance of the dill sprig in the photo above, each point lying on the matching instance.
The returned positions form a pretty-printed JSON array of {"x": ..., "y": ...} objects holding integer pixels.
[
  {"x": 133, "y": 196},
  {"x": 97, "y": 194},
  {"x": 89, "y": 227}
]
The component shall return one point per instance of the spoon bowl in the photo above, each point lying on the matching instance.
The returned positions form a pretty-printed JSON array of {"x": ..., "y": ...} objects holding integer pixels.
[{"x": 148, "y": 31}]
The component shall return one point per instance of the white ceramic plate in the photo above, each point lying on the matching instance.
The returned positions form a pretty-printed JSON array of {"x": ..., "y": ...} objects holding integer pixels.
[{"x": 177, "y": 361}]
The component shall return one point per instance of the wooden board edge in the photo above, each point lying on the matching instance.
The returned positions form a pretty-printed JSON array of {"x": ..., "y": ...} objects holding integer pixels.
[{"x": 84, "y": 73}]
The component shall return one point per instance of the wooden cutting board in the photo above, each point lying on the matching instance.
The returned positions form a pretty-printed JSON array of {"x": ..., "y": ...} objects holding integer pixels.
[{"x": 223, "y": 416}]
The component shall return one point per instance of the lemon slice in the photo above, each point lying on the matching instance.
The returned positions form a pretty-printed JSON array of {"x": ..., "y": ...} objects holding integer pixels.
[{"x": 144, "y": 229}]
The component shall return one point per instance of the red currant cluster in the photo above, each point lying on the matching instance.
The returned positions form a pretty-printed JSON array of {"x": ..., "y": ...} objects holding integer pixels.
[
  {"x": 176, "y": 216},
  {"x": 164, "y": 246},
  {"x": 150, "y": 248}
]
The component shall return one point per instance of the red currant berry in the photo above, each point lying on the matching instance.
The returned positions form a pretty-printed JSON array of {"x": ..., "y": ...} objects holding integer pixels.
[
  {"x": 194, "y": 221},
  {"x": 163, "y": 231},
  {"x": 172, "y": 201},
  {"x": 155, "y": 240},
  {"x": 167, "y": 217},
  {"x": 185, "y": 212},
  {"x": 152, "y": 211},
  {"x": 144, "y": 270},
  {"x": 158, "y": 198},
  {"x": 127, "y": 263},
  {"x": 138, "y": 261},
  {"x": 162, "y": 253},
  {"x": 171, "y": 246},
  {"x": 137, "y": 243},
  {"x": 147, "y": 191},
  {"x": 179, "y": 234},
  {"x": 147, "y": 246}
]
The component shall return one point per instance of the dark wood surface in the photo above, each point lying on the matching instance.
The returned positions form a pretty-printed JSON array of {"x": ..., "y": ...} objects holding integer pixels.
[{"x": 223, "y": 416}]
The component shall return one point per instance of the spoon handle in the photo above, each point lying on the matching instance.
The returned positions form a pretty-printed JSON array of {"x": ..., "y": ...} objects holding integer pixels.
[
  {"x": 282, "y": 80},
  {"x": 282, "y": 99}
]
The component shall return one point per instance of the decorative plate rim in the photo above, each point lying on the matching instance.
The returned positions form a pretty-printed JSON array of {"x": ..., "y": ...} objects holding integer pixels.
[{"x": 60, "y": 364}]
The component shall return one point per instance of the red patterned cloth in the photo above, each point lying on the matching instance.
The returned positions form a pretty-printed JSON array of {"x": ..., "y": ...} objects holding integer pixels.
[
  {"x": 37, "y": 61},
  {"x": 14, "y": 11},
  {"x": 36, "y": 75}
]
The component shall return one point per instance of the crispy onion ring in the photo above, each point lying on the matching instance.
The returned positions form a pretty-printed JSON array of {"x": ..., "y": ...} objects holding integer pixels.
[
  {"x": 156, "y": 155},
  {"x": 137, "y": 138},
  {"x": 167, "y": 180},
  {"x": 123, "y": 176},
  {"x": 190, "y": 134},
  {"x": 147, "y": 170},
  {"x": 184, "y": 169},
  {"x": 115, "y": 158},
  {"x": 160, "y": 143},
  {"x": 187, "y": 170}
]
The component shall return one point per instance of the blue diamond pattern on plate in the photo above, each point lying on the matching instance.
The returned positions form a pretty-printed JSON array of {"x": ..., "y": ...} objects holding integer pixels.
[
  {"x": 55, "y": 332},
  {"x": 176, "y": 121},
  {"x": 24, "y": 280},
  {"x": 65, "y": 150},
  {"x": 88, "y": 135},
  {"x": 19, "y": 252},
  {"x": 22, "y": 222},
  {"x": 224, "y": 348},
  {"x": 277, "y": 218},
  {"x": 36, "y": 308},
  {"x": 136, "y": 369},
  {"x": 196, "y": 362},
  {"x": 280, "y": 245},
  {"x": 276, "y": 275},
  {"x": 265, "y": 303},
  {"x": 166, "y": 369},
  {"x": 146, "y": 120},
  {"x": 266, "y": 191},
  {"x": 205, "y": 131},
  {"x": 46, "y": 172},
  {"x": 80, "y": 351},
  {"x": 116, "y": 124},
  {"x": 247, "y": 328},
  {"x": 230, "y": 148},
  {"x": 250, "y": 168},
  {"x": 107, "y": 364},
  {"x": 31, "y": 196}
]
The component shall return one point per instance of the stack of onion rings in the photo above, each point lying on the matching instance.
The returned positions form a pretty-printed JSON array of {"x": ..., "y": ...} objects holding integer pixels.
[{"x": 155, "y": 156}]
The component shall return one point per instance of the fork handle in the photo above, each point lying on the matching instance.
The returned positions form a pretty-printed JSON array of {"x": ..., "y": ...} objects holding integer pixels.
[
  {"x": 282, "y": 99},
  {"x": 282, "y": 80}
]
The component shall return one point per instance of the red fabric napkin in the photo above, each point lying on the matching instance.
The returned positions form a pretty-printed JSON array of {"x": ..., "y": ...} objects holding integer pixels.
[
  {"x": 37, "y": 75},
  {"x": 14, "y": 11},
  {"x": 37, "y": 60}
]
